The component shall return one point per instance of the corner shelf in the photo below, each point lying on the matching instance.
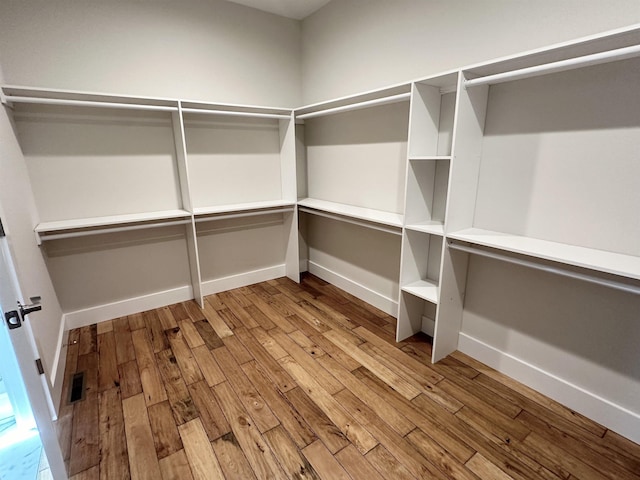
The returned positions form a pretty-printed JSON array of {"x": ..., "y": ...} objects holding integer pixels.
[
  {"x": 627, "y": 266},
  {"x": 241, "y": 207},
  {"x": 367, "y": 214}
]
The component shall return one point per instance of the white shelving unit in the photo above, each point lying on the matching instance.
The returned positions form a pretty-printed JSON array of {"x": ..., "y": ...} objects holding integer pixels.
[
  {"x": 125, "y": 172},
  {"x": 427, "y": 185},
  {"x": 355, "y": 156}
]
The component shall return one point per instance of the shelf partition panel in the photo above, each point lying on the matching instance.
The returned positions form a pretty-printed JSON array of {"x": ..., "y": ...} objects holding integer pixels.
[
  {"x": 627, "y": 266},
  {"x": 367, "y": 214}
]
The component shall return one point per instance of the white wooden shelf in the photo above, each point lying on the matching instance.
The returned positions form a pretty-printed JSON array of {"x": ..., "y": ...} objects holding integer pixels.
[
  {"x": 599, "y": 260},
  {"x": 110, "y": 220},
  {"x": 432, "y": 228},
  {"x": 423, "y": 289},
  {"x": 241, "y": 207},
  {"x": 376, "y": 216},
  {"x": 422, "y": 158}
]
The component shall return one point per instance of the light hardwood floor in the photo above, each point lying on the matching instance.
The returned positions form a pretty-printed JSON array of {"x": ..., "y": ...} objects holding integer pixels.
[{"x": 279, "y": 380}]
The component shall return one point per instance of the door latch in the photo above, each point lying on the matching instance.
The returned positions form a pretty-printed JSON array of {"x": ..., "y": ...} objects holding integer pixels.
[
  {"x": 13, "y": 319},
  {"x": 34, "y": 306}
]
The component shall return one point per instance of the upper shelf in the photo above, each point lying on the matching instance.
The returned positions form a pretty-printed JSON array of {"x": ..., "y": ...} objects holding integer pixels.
[
  {"x": 241, "y": 207},
  {"x": 110, "y": 220},
  {"x": 599, "y": 260},
  {"x": 377, "y": 216}
]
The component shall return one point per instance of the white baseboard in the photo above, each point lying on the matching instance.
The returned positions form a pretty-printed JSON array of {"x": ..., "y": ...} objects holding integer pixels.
[
  {"x": 59, "y": 365},
  {"x": 242, "y": 279},
  {"x": 100, "y": 313},
  {"x": 428, "y": 326},
  {"x": 376, "y": 299},
  {"x": 615, "y": 417}
]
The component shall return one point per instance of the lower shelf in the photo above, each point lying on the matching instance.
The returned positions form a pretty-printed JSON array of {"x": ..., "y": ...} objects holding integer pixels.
[{"x": 423, "y": 289}]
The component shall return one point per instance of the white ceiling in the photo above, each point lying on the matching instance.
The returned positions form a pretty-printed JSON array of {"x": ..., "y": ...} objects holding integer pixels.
[{"x": 297, "y": 9}]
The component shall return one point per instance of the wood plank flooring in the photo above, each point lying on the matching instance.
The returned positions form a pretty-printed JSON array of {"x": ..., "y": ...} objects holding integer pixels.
[{"x": 280, "y": 380}]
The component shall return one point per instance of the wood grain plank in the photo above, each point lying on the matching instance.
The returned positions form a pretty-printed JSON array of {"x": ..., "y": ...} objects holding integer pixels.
[
  {"x": 356, "y": 464},
  {"x": 387, "y": 464},
  {"x": 372, "y": 364},
  {"x": 108, "y": 375},
  {"x": 155, "y": 330},
  {"x": 104, "y": 327},
  {"x": 183, "y": 355},
  {"x": 483, "y": 468},
  {"x": 136, "y": 321},
  {"x": 295, "y": 425},
  {"x": 114, "y": 463},
  {"x": 166, "y": 438},
  {"x": 437, "y": 455},
  {"x": 269, "y": 365},
  {"x": 268, "y": 343},
  {"x": 203, "y": 462},
  {"x": 294, "y": 464},
  {"x": 85, "y": 445},
  {"x": 343, "y": 358},
  {"x": 196, "y": 314},
  {"x": 306, "y": 361},
  {"x": 182, "y": 406},
  {"x": 245, "y": 319},
  {"x": 386, "y": 412},
  {"x": 130, "y": 384},
  {"x": 179, "y": 312},
  {"x": 191, "y": 333},
  {"x": 323, "y": 462},
  {"x": 88, "y": 363},
  {"x": 124, "y": 345},
  {"x": 208, "y": 335},
  {"x": 216, "y": 321},
  {"x": 208, "y": 366},
  {"x": 152, "y": 386},
  {"x": 322, "y": 425},
  {"x": 175, "y": 467},
  {"x": 249, "y": 397},
  {"x": 88, "y": 339},
  {"x": 271, "y": 313},
  {"x": 143, "y": 462},
  {"x": 237, "y": 349},
  {"x": 167, "y": 319},
  {"x": 259, "y": 317},
  {"x": 90, "y": 474},
  {"x": 230, "y": 319},
  {"x": 344, "y": 420},
  {"x": 232, "y": 460},
  {"x": 255, "y": 448},
  {"x": 211, "y": 416},
  {"x": 398, "y": 446}
]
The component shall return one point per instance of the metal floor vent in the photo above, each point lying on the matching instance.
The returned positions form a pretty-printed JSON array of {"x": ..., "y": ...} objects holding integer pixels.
[{"x": 76, "y": 392}]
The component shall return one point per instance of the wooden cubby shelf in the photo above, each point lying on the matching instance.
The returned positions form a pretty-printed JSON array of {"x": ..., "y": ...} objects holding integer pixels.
[{"x": 425, "y": 289}]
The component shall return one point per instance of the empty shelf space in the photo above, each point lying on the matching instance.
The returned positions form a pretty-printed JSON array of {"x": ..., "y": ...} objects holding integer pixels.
[
  {"x": 93, "y": 222},
  {"x": 423, "y": 289},
  {"x": 433, "y": 228},
  {"x": 599, "y": 260},
  {"x": 367, "y": 214}
]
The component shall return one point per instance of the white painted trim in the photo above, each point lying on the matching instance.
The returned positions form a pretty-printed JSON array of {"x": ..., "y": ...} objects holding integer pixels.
[
  {"x": 242, "y": 279},
  {"x": 101, "y": 313},
  {"x": 613, "y": 416},
  {"x": 372, "y": 297},
  {"x": 428, "y": 326},
  {"x": 59, "y": 366}
]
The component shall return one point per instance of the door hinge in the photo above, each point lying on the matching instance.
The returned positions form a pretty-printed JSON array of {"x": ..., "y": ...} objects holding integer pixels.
[
  {"x": 39, "y": 367},
  {"x": 2, "y": 234}
]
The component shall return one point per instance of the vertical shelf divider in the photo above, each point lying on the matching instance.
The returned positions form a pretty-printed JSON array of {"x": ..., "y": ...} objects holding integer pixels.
[
  {"x": 187, "y": 204},
  {"x": 289, "y": 182},
  {"x": 470, "y": 109}
]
